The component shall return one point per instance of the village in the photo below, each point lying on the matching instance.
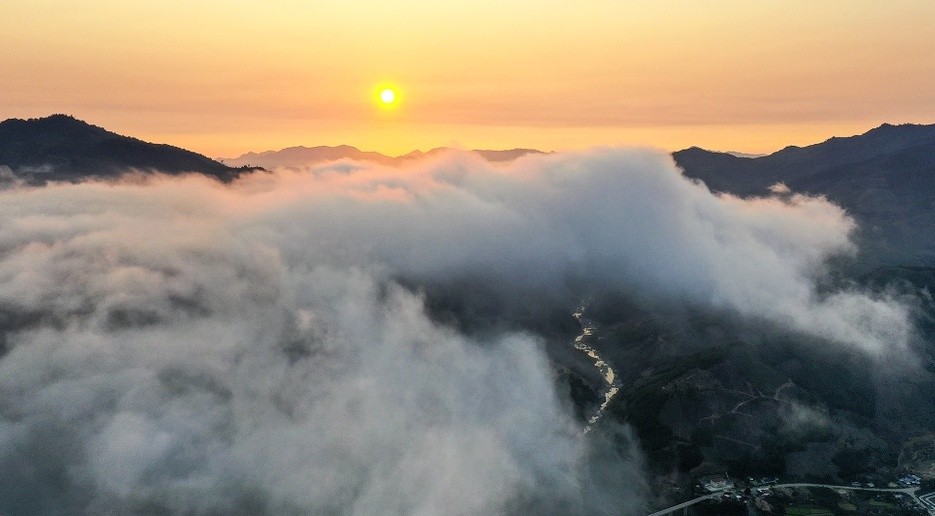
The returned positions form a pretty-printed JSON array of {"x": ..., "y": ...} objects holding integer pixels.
[{"x": 722, "y": 495}]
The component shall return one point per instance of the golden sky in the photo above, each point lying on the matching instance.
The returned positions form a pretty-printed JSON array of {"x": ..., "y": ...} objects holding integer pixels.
[{"x": 226, "y": 77}]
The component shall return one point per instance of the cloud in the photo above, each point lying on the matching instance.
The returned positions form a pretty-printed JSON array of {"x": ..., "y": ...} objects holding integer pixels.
[
  {"x": 780, "y": 189},
  {"x": 797, "y": 418},
  {"x": 607, "y": 217},
  {"x": 187, "y": 346}
]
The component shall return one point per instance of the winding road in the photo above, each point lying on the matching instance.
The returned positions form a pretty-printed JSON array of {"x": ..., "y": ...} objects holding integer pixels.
[{"x": 924, "y": 500}]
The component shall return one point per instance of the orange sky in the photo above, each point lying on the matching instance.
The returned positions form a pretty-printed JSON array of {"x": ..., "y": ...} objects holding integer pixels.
[{"x": 226, "y": 77}]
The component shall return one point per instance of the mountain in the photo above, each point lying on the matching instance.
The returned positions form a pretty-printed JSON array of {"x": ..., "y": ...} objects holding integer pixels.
[
  {"x": 63, "y": 148},
  {"x": 305, "y": 156},
  {"x": 885, "y": 178},
  {"x": 704, "y": 396}
]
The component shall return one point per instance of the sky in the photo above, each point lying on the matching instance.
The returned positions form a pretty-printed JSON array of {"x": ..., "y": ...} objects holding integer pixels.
[{"x": 224, "y": 78}]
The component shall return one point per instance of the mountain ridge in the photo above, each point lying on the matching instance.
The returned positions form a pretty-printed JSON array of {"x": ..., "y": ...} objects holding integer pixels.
[
  {"x": 884, "y": 178},
  {"x": 63, "y": 148}
]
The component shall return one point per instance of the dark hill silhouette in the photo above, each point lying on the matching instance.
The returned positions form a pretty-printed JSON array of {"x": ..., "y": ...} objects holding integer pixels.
[
  {"x": 885, "y": 178},
  {"x": 63, "y": 148},
  {"x": 815, "y": 164}
]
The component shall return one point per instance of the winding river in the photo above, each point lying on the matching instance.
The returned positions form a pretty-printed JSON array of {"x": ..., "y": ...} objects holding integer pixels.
[{"x": 607, "y": 372}]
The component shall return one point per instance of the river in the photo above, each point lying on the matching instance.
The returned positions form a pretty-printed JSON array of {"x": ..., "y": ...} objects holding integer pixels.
[{"x": 612, "y": 385}]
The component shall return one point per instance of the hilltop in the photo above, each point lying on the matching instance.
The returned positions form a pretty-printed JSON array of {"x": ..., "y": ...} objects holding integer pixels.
[
  {"x": 63, "y": 148},
  {"x": 884, "y": 178}
]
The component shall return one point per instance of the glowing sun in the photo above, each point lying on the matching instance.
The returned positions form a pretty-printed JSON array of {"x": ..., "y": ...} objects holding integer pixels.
[{"x": 387, "y": 96}]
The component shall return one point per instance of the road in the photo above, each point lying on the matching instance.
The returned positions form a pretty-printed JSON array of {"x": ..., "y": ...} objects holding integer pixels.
[
  {"x": 688, "y": 503},
  {"x": 927, "y": 501}
]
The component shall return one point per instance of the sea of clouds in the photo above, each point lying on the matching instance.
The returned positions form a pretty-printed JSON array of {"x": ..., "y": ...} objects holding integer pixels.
[{"x": 183, "y": 346}]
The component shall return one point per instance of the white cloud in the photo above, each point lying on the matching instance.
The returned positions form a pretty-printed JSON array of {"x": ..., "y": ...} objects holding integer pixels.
[{"x": 199, "y": 347}]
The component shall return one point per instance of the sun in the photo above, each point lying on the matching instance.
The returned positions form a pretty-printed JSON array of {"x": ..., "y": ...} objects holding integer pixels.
[{"x": 386, "y": 96}]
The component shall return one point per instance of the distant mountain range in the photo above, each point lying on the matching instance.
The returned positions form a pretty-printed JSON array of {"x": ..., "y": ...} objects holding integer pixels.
[
  {"x": 63, "y": 148},
  {"x": 305, "y": 156}
]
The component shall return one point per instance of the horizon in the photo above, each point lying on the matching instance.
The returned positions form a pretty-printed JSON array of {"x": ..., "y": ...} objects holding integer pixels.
[
  {"x": 624, "y": 145},
  {"x": 258, "y": 152},
  {"x": 751, "y": 78}
]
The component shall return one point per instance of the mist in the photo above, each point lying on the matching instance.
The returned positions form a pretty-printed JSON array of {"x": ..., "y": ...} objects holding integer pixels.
[{"x": 179, "y": 345}]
